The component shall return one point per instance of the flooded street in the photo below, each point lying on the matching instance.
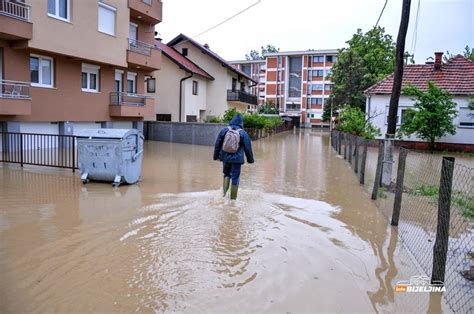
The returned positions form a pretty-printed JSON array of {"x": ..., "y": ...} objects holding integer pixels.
[{"x": 302, "y": 236}]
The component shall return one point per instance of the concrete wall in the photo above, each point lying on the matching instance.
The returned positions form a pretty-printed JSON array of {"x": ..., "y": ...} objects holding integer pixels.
[
  {"x": 378, "y": 107},
  {"x": 186, "y": 133}
]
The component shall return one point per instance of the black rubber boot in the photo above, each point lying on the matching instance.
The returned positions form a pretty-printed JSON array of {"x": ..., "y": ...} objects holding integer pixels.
[
  {"x": 225, "y": 186},
  {"x": 233, "y": 192}
]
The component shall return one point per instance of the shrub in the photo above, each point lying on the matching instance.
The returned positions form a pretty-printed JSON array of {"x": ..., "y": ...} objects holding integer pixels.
[
  {"x": 251, "y": 121},
  {"x": 352, "y": 120}
]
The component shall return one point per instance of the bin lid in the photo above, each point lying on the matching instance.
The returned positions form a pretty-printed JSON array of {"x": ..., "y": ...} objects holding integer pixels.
[{"x": 106, "y": 133}]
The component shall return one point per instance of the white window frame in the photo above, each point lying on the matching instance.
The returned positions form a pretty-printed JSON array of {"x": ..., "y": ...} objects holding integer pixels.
[
  {"x": 56, "y": 14},
  {"x": 134, "y": 76},
  {"x": 460, "y": 121},
  {"x": 40, "y": 71},
  {"x": 107, "y": 7},
  {"x": 90, "y": 69}
]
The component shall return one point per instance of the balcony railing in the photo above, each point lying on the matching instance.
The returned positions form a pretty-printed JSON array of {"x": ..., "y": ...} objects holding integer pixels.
[
  {"x": 14, "y": 89},
  {"x": 15, "y": 9},
  {"x": 139, "y": 47},
  {"x": 293, "y": 107},
  {"x": 237, "y": 95},
  {"x": 119, "y": 99}
]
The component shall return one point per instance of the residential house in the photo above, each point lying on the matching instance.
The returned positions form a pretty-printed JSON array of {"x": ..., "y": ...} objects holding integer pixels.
[
  {"x": 299, "y": 83},
  {"x": 455, "y": 76},
  {"x": 66, "y": 65},
  {"x": 256, "y": 69},
  {"x": 219, "y": 85}
]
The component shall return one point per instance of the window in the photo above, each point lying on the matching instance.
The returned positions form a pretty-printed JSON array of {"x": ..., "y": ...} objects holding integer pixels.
[
  {"x": 328, "y": 87},
  {"x": 184, "y": 51},
  {"x": 328, "y": 72},
  {"x": 403, "y": 115},
  {"x": 466, "y": 117},
  {"x": 191, "y": 118},
  {"x": 59, "y": 9},
  {"x": 316, "y": 101},
  {"x": 317, "y": 73},
  {"x": 163, "y": 117},
  {"x": 318, "y": 59},
  {"x": 195, "y": 87},
  {"x": 107, "y": 19},
  {"x": 331, "y": 58},
  {"x": 131, "y": 83},
  {"x": 41, "y": 71},
  {"x": 234, "y": 84},
  {"x": 310, "y": 88},
  {"x": 90, "y": 78},
  {"x": 318, "y": 87},
  {"x": 151, "y": 85}
]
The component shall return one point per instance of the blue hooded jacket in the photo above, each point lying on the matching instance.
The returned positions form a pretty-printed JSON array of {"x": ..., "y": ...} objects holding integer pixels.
[{"x": 236, "y": 123}]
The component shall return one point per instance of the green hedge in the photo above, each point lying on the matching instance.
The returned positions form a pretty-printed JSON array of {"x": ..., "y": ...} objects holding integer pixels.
[{"x": 251, "y": 121}]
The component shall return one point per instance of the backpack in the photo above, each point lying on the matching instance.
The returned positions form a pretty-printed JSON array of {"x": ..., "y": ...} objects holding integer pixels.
[{"x": 231, "y": 141}]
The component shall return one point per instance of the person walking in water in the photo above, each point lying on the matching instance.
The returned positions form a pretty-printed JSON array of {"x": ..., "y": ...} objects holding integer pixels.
[{"x": 231, "y": 144}]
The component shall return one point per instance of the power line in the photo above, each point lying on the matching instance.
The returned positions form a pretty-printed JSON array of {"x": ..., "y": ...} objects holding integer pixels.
[
  {"x": 415, "y": 30},
  {"x": 228, "y": 19},
  {"x": 378, "y": 20}
]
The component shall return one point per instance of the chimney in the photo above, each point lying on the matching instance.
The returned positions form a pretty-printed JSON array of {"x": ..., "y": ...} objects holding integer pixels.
[
  {"x": 206, "y": 46},
  {"x": 438, "y": 60}
]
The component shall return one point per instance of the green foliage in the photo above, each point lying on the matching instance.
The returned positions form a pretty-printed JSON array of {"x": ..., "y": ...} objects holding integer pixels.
[
  {"x": 268, "y": 108},
  {"x": 468, "y": 53},
  {"x": 433, "y": 115},
  {"x": 255, "y": 55},
  {"x": 426, "y": 190},
  {"x": 382, "y": 192},
  {"x": 368, "y": 59},
  {"x": 352, "y": 120},
  {"x": 251, "y": 121}
]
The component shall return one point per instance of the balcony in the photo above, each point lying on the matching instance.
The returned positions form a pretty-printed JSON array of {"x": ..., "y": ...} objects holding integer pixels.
[
  {"x": 148, "y": 11},
  {"x": 130, "y": 105},
  {"x": 15, "y": 98},
  {"x": 293, "y": 107},
  {"x": 143, "y": 55},
  {"x": 242, "y": 97},
  {"x": 15, "y": 23}
]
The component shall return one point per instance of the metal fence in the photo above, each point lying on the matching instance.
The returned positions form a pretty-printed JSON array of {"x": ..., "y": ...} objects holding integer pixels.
[
  {"x": 431, "y": 201},
  {"x": 139, "y": 47},
  {"x": 38, "y": 149}
]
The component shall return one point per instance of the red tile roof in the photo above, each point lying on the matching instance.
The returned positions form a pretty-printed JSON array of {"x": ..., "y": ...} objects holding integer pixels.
[
  {"x": 209, "y": 52},
  {"x": 455, "y": 76},
  {"x": 181, "y": 60}
]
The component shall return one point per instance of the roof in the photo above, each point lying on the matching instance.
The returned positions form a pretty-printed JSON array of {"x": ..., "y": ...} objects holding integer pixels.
[
  {"x": 209, "y": 52},
  {"x": 455, "y": 76},
  {"x": 247, "y": 61},
  {"x": 302, "y": 52},
  {"x": 181, "y": 60}
]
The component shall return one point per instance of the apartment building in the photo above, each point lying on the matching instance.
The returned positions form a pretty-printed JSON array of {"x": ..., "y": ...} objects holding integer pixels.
[
  {"x": 199, "y": 83},
  {"x": 66, "y": 65},
  {"x": 299, "y": 83},
  {"x": 257, "y": 70}
]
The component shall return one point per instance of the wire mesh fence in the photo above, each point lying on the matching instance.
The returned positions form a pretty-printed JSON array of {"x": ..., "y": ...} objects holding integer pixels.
[{"x": 435, "y": 210}]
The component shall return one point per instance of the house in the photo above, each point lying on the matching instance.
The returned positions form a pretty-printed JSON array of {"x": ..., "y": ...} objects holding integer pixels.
[
  {"x": 299, "y": 83},
  {"x": 68, "y": 65},
  {"x": 256, "y": 69},
  {"x": 209, "y": 84},
  {"x": 455, "y": 76}
]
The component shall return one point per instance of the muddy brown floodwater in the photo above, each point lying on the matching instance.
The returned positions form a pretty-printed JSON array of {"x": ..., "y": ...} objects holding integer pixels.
[{"x": 302, "y": 236}]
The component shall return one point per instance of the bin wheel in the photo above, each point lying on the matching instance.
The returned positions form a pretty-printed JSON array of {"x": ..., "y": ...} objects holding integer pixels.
[
  {"x": 115, "y": 185},
  {"x": 85, "y": 181}
]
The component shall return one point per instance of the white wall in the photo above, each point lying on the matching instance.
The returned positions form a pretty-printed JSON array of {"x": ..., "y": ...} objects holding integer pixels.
[
  {"x": 378, "y": 106},
  {"x": 167, "y": 88},
  {"x": 192, "y": 104}
]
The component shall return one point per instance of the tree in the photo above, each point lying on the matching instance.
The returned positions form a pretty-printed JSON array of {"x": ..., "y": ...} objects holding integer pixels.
[
  {"x": 255, "y": 55},
  {"x": 352, "y": 120},
  {"x": 432, "y": 117},
  {"x": 468, "y": 53},
  {"x": 368, "y": 59},
  {"x": 268, "y": 108}
]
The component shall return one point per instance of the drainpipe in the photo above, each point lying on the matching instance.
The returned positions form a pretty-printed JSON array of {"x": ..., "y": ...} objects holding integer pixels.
[{"x": 181, "y": 93}]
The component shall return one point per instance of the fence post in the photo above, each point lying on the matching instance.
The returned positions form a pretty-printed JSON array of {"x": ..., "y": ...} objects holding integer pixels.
[
  {"x": 362, "y": 163},
  {"x": 378, "y": 172},
  {"x": 356, "y": 157},
  {"x": 339, "y": 142},
  {"x": 73, "y": 154},
  {"x": 350, "y": 150},
  {"x": 440, "y": 249},
  {"x": 397, "y": 203},
  {"x": 345, "y": 145},
  {"x": 21, "y": 149}
]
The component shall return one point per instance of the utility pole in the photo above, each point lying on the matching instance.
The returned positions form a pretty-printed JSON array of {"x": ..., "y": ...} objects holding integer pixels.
[{"x": 395, "y": 97}]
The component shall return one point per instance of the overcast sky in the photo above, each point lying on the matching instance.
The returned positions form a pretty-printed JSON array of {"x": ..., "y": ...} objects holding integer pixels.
[{"x": 316, "y": 24}]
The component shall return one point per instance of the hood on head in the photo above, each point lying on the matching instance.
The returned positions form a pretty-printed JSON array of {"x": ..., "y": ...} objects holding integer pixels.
[{"x": 237, "y": 120}]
